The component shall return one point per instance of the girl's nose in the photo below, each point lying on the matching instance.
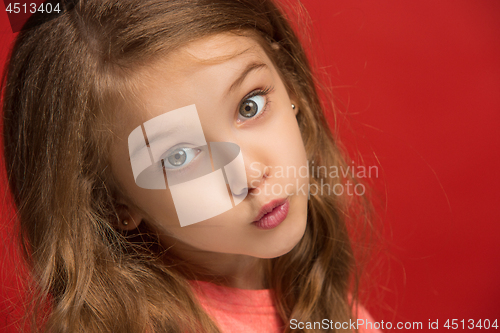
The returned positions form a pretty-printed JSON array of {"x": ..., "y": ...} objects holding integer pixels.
[
  {"x": 257, "y": 173},
  {"x": 245, "y": 173}
]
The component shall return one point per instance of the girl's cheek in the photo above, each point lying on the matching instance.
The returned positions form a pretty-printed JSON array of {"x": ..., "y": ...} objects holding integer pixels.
[{"x": 158, "y": 204}]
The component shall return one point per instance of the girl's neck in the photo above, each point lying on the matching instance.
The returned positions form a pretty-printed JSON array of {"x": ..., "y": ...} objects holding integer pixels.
[
  {"x": 231, "y": 270},
  {"x": 245, "y": 273}
]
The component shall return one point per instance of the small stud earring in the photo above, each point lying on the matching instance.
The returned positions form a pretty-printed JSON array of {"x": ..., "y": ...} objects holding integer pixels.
[
  {"x": 125, "y": 222},
  {"x": 293, "y": 106}
]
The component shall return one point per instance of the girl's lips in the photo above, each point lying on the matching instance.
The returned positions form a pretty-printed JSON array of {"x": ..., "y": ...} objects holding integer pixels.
[{"x": 274, "y": 217}]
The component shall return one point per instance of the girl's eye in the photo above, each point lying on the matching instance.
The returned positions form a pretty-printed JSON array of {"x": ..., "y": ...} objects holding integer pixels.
[
  {"x": 180, "y": 157},
  {"x": 252, "y": 106},
  {"x": 255, "y": 104}
]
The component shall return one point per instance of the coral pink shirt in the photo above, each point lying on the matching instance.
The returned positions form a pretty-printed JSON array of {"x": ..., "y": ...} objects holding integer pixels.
[{"x": 246, "y": 311}]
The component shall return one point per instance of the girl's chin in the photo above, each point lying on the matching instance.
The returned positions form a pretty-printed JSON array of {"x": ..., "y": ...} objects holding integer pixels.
[
  {"x": 276, "y": 253},
  {"x": 279, "y": 249}
]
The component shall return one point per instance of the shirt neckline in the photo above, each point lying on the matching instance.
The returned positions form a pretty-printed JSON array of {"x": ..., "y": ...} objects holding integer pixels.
[{"x": 211, "y": 292}]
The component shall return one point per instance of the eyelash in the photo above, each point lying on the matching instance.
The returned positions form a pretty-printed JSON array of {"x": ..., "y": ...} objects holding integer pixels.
[{"x": 259, "y": 92}]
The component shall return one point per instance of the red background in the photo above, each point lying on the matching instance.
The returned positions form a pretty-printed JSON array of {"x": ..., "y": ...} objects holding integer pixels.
[{"x": 419, "y": 83}]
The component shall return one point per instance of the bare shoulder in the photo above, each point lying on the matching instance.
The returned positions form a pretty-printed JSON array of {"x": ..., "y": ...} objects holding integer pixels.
[{"x": 365, "y": 322}]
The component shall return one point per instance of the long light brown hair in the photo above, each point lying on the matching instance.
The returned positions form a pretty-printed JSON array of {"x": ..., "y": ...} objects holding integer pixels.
[{"x": 58, "y": 87}]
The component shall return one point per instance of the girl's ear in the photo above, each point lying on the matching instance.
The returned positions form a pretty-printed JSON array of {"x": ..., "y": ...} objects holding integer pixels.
[
  {"x": 128, "y": 219},
  {"x": 293, "y": 101},
  {"x": 295, "y": 107}
]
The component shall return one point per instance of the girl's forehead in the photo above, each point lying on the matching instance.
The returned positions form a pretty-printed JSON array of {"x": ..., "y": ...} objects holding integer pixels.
[
  {"x": 222, "y": 49},
  {"x": 202, "y": 70}
]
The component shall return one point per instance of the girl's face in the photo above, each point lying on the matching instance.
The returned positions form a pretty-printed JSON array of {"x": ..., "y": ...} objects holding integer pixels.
[{"x": 218, "y": 75}]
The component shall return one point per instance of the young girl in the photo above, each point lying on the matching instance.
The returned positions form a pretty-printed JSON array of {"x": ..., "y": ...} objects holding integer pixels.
[{"x": 113, "y": 115}]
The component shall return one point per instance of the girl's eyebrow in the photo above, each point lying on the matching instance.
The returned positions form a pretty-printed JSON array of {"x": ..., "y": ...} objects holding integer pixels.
[{"x": 253, "y": 66}]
